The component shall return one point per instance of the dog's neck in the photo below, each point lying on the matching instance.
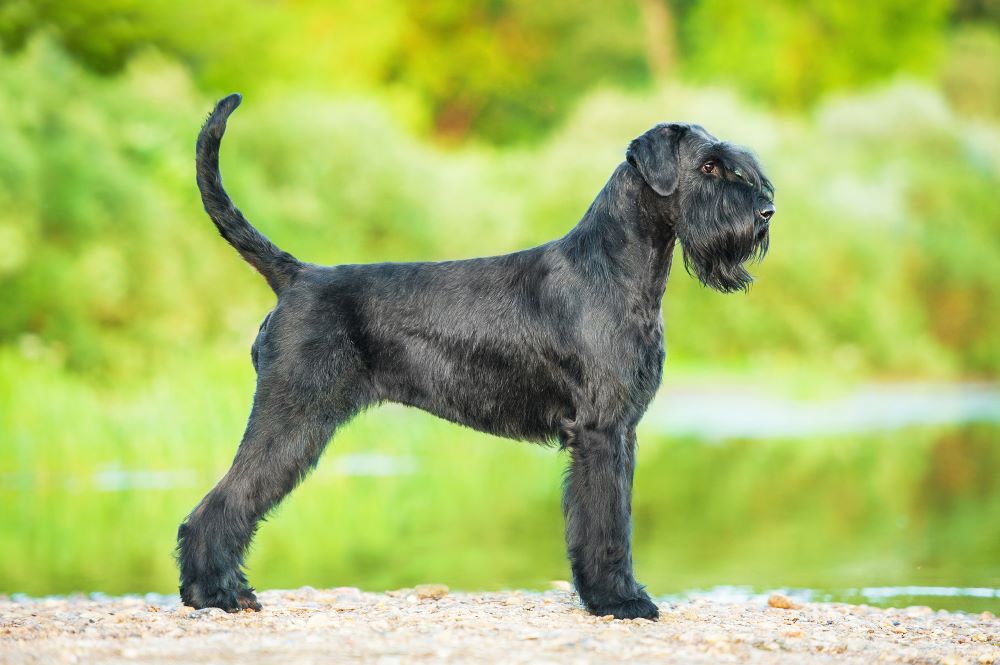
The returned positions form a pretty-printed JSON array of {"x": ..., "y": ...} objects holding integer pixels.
[{"x": 627, "y": 235}]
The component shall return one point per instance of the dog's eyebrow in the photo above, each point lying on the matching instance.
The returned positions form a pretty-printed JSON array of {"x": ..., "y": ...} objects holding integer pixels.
[
  {"x": 735, "y": 169},
  {"x": 742, "y": 164}
]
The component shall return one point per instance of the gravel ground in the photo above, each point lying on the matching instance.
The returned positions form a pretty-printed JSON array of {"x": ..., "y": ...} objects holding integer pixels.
[{"x": 428, "y": 624}]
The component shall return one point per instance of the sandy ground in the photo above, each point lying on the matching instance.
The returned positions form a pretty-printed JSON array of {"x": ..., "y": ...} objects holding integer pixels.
[{"x": 430, "y": 625}]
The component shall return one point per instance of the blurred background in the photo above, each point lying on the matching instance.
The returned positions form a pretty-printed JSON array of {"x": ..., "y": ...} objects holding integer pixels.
[{"x": 835, "y": 430}]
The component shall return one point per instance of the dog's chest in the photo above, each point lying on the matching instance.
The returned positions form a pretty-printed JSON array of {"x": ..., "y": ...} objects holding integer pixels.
[
  {"x": 648, "y": 365},
  {"x": 635, "y": 356}
]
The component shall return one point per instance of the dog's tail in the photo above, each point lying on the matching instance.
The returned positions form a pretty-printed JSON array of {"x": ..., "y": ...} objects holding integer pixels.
[{"x": 277, "y": 266}]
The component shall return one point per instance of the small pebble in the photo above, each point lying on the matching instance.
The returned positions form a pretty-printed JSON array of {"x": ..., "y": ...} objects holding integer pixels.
[
  {"x": 208, "y": 613},
  {"x": 953, "y": 660},
  {"x": 782, "y": 602},
  {"x": 430, "y": 591}
]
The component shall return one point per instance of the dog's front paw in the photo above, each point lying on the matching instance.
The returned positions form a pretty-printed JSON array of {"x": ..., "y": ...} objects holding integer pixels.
[
  {"x": 224, "y": 599},
  {"x": 635, "y": 608},
  {"x": 246, "y": 600}
]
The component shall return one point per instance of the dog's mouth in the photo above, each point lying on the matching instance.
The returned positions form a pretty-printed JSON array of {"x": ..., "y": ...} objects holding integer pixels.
[
  {"x": 762, "y": 224},
  {"x": 720, "y": 261},
  {"x": 761, "y": 241}
]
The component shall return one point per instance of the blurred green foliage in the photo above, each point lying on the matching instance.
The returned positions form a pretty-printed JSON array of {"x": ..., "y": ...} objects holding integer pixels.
[
  {"x": 109, "y": 261},
  {"x": 790, "y": 52},
  {"x": 385, "y": 130},
  {"x": 506, "y": 70}
]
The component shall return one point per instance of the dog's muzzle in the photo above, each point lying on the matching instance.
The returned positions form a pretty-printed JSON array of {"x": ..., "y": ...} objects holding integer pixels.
[
  {"x": 763, "y": 220},
  {"x": 766, "y": 212}
]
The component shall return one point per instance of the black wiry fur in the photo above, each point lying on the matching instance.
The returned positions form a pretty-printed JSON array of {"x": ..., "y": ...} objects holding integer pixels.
[{"x": 562, "y": 342}]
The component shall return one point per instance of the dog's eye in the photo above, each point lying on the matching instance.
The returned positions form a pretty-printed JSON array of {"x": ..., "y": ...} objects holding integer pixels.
[{"x": 710, "y": 167}]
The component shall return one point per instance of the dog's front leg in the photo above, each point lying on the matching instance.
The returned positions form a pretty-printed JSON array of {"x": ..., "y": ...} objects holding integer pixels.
[{"x": 597, "y": 502}]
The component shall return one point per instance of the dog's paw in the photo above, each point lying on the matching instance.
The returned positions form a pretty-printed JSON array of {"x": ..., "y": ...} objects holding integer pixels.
[
  {"x": 246, "y": 600},
  {"x": 230, "y": 601},
  {"x": 635, "y": 608}
]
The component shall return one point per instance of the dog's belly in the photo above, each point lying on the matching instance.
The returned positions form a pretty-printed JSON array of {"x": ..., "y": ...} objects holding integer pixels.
[{"x": 506, "y": 394}]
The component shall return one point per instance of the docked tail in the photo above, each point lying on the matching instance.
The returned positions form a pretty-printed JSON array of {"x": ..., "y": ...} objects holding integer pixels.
[{"x": 278, "y": 267}]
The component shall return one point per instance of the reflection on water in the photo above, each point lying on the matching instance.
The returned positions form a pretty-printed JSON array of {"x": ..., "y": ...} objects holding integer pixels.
[
  {"x": 720, "y": 412},
  {"x": 850, "y": 511},
  {"x": 969, "y": 599},
  {"x": 881, "y": 593},
  {"x": 726, "y": 411},
  {"x": 115, "y": 479}
]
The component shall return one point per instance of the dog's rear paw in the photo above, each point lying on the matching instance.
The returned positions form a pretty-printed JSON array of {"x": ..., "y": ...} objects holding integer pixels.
[{"x": 636, "y": 608}]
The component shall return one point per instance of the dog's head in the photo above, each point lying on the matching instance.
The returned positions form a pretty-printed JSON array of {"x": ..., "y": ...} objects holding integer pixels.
[{"x": 716, "y": 196}]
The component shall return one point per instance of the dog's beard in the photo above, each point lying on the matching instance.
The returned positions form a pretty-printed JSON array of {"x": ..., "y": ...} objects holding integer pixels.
[{"x": 717, "y": 245}]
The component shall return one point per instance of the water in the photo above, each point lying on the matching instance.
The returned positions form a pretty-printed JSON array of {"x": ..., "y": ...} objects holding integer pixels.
[
  {"x": 887, "y": 496},
  {"x": 676, "y": 411},
  {"x": 751, "y": 413},
  {"x": 969, "y": 599}
]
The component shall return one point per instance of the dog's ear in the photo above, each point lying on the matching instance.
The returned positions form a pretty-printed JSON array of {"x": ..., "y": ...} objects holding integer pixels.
[{"x": 654, "y": 156}]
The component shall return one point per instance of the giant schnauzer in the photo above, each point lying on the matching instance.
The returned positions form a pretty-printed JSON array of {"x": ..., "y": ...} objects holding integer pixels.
[{"x": 558, "y": 343}]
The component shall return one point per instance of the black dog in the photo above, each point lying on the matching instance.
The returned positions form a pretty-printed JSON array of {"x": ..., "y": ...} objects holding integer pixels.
[{"x": 562, "y": 342}]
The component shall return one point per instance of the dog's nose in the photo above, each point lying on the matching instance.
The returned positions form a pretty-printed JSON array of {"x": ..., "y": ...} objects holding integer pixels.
[{"x": 767, "y": 212}]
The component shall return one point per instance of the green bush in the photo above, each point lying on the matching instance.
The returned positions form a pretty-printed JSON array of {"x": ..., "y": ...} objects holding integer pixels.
[
  {"x": 511, "y": 70},
  {"x": 882, "y": 258}
]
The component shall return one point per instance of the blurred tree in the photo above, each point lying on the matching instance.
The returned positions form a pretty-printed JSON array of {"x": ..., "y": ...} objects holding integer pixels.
[
  {"x": 509, "y": 69},
  {"x": 104, "y": 35},
  {"x": 971, "y": 72},
  {"x": 505, "y": 70},
  {"x": 986, "y": 11},
  {"x": 790, "y": 52},
  {"x": 228, "y": 44},
  {"x": 661, "y": 36}
]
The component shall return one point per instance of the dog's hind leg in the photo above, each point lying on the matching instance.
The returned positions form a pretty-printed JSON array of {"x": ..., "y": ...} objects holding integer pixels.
[
  {"x": 284, "y": 438},
  {"x": 597, "y": 498}
]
